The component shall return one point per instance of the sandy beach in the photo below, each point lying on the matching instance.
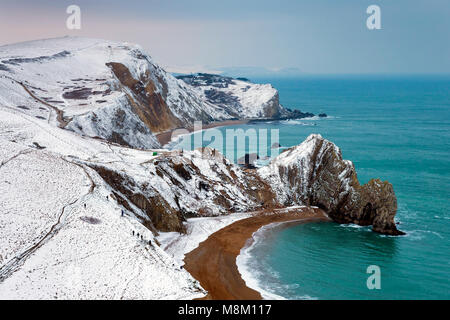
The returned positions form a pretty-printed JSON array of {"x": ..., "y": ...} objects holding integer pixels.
[
  {"x": 213, "y": 262},
  {"x": 165, "y": 137}
]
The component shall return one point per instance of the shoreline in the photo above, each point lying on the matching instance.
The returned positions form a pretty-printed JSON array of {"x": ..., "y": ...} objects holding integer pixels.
[
  {"x": 166, "y": 137},
  {"x": 213, "y": 262}
]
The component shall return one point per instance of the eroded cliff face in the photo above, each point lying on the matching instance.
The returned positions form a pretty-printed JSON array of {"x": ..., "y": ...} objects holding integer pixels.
[
  {"x": 314, "y": 173},
  {"x": 143, "y": 200},
  {"x": 147, "y": 102},
  {"x": 272, "y": 108},
  {"x": 239, "y": 97},
  {"x": 102, "y": 89},
  {"x": 117, "y": 92},
  {"x": 173, "y": 186}
]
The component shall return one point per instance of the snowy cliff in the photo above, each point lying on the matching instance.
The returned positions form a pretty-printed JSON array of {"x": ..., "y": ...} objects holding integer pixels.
[
  {"x": 314, "y": 173},
  {"x": 99, "y": 88},
  {"x": 115, "y": 91},
  {"x": 178, "y": 185},
  {"x": 82, "y": 218},
  {"x": 239, "y": 97}
]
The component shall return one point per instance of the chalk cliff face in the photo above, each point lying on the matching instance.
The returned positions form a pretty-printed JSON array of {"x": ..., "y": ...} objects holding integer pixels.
[
  {"x": 238, "y": 97},
  {"x": 115, "y": 91},
  {"x": 174, "y": 186},
  {"x": 241, "y": 98},
  {"x": 314, "y": 173},
  {"x": 98, "y": 88}
]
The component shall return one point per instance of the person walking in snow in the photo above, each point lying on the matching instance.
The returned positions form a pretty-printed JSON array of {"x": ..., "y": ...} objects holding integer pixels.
[{"x": 122, "y": 213}]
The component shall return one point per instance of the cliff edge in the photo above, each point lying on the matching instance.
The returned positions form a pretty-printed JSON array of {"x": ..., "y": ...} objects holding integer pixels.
[
  {"x": 314, "y": 173},
  {"x": 177, "y": 185}
]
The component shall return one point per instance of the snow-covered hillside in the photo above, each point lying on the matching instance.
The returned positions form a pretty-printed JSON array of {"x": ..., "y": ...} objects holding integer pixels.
[
  {"x": 115, "y": 91},
  {"x": 99, "y": 88},
  {"x": 239, "y": 97},
  {"x": 68, "y": 229},
  {"x": 62, "y": 233},
  {"x": 314, "y": 173},
  {"x": 80, "y": 216}
]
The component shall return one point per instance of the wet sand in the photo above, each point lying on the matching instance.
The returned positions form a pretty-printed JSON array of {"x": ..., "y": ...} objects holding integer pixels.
[
  {"x": 213, "y": 262},
  {"x": 165, "y": 137}
]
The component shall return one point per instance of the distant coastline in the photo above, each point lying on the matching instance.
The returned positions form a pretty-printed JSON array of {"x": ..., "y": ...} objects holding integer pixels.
[{"x": 166, "y": 136}]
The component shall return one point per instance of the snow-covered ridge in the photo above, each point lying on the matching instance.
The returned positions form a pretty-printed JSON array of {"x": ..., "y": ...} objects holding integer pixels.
[
  {"x": 82, "y": 218},
  {"x": 115, "y": 91},
  {"x": 76, "y": 76},
  {"x": 239, "y": 97},
  {"x": 314, "y": 173},
  {"x": 62, "y": 233}
]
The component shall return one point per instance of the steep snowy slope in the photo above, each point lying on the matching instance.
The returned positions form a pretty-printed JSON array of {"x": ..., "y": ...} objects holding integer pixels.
[
  {"x": 62, "y": 233},
  {"x": 115, "y": 91},
  {"x": 174, "y": 186},
  {"x": 99, "y": 88},
  {"x": 240, "y": 97},
  {"x": 314, "y": 173}
]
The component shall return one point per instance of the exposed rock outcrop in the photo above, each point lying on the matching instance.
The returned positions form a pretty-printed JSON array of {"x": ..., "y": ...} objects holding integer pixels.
[
  {"x": 147, "y": 102},
  {"x": 241, "y": 98},
  {"x": 102, "y": 89},
  {"x": 115, "y": 91},
  {"x": 175, "y": 185},
  {"x": 314, "y": 173},
  {"x": 154, "y": 211}
]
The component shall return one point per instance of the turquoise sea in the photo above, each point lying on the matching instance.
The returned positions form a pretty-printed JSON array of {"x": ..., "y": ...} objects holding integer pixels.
[{"x": 396, "y": 128}]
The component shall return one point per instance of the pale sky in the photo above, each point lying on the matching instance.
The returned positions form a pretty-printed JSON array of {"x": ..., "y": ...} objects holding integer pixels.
[{"x": 316, "y": 36}]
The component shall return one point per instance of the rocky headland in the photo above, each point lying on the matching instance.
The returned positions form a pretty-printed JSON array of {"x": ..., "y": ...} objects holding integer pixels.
[{"x": 205, "y": 183}]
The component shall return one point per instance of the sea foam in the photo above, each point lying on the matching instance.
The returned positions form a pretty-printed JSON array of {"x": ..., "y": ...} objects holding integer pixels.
[{"x": 255, "y": 278}]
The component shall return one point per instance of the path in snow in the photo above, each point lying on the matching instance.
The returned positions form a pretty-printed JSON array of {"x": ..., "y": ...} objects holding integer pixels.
[
  {"x": 15, "y": 263},
  {"x": 47, "y": 249},
  {"x": 59, "y": 113}
]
